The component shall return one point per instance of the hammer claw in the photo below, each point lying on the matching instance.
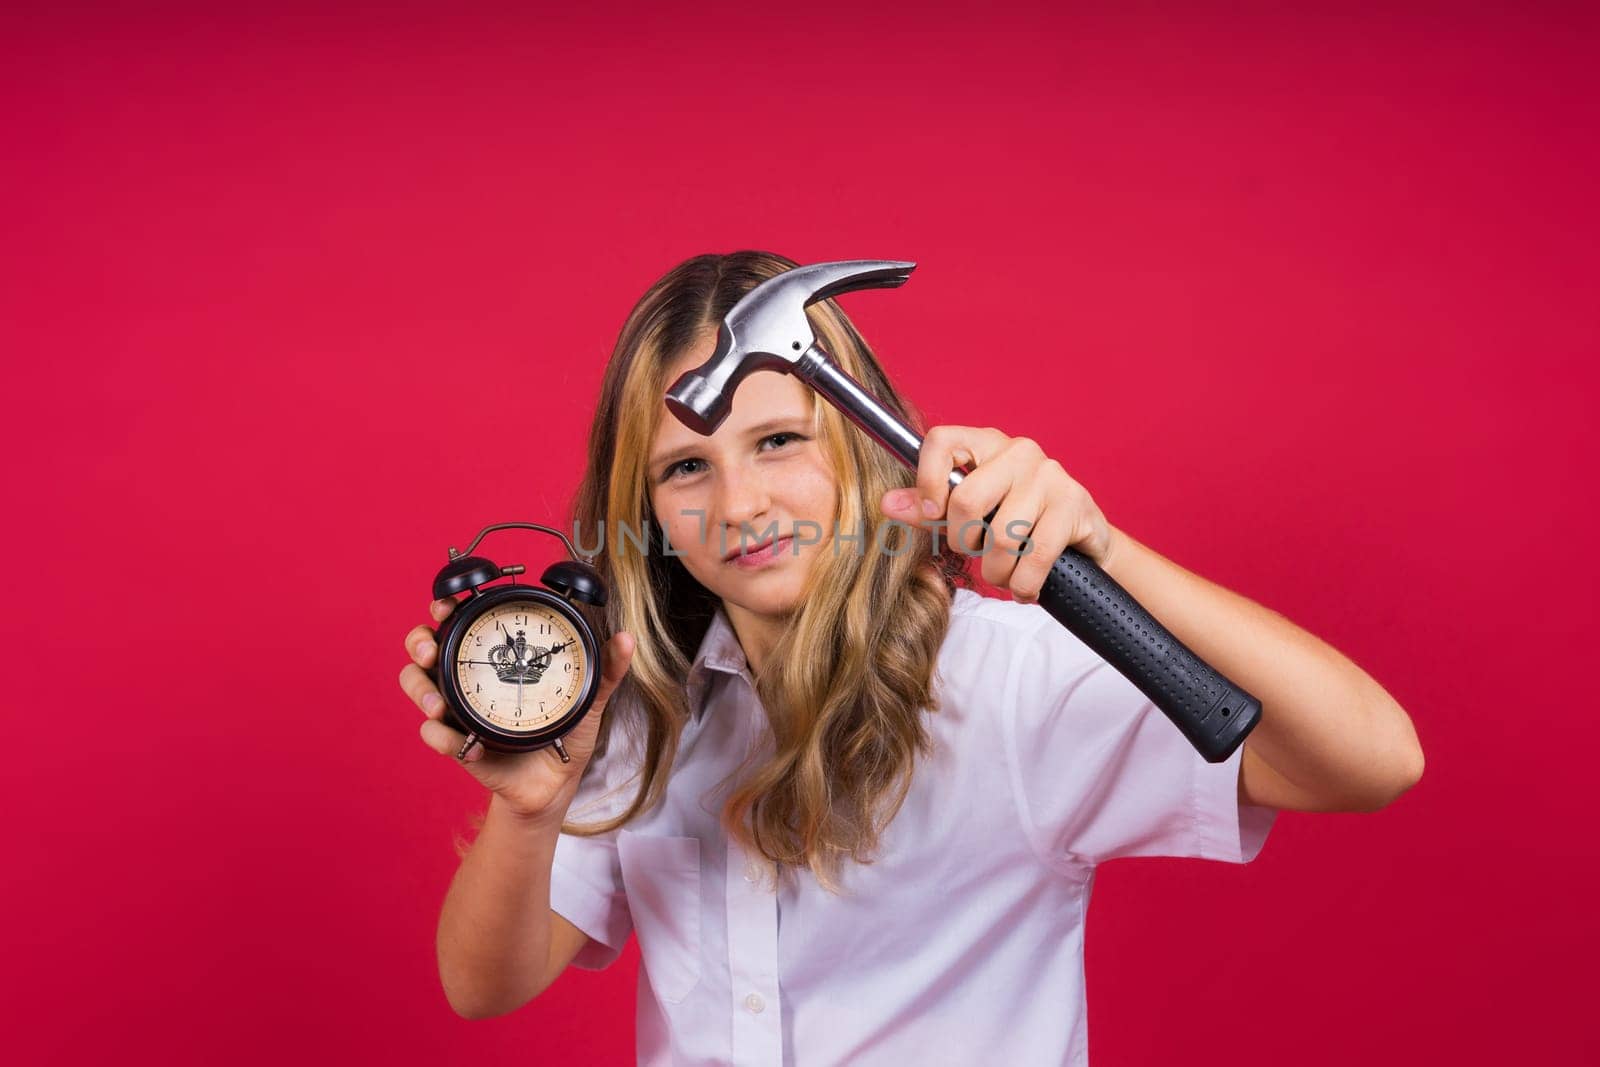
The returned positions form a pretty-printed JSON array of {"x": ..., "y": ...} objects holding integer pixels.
[{"x": 768, "y": 330}]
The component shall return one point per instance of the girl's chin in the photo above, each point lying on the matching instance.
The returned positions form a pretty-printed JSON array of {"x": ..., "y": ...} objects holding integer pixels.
[{"x": 771, "y": 602}]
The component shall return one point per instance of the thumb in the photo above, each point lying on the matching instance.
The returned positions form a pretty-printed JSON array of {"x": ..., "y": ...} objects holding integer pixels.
[
  {"x": 905, "y": 505},
  {"x": 614, "y": 660}
]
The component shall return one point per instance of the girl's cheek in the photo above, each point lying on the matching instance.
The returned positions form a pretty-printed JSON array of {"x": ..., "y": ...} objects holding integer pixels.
[{"x": 685, "y": 535}]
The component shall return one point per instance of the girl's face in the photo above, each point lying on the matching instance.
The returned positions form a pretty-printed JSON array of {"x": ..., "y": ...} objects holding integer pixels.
[{"x": 756, "y": 480}]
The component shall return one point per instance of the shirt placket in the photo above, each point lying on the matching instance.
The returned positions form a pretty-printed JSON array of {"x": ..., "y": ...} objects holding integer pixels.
[
  {"x": 753, "y": 959},
  {"x": 753, "y": 929}
]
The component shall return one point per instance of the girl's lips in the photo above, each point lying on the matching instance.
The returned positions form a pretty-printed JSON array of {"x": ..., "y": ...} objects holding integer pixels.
[{"x": 763, "y": 555}]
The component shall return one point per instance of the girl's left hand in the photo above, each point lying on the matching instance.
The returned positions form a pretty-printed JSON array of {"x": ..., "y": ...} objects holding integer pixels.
[{"x": 1038, "y": 503}]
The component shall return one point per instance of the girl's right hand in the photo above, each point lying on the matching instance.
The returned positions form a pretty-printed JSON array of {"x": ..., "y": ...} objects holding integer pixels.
[{"x": 533, "y": 784}]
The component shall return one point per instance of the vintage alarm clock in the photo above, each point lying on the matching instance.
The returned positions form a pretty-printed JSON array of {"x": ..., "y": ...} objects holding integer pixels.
[{"x": 518, "y": 664}]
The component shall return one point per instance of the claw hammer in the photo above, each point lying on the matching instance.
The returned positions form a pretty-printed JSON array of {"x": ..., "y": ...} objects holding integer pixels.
[{"x": 768, "y": 330}]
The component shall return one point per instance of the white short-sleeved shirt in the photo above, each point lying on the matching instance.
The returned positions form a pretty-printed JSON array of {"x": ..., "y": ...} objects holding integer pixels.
[{"x": 963, "y": 942}]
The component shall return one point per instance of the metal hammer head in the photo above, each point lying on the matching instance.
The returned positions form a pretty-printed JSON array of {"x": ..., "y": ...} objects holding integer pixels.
[{"x": 768, "y": 330}]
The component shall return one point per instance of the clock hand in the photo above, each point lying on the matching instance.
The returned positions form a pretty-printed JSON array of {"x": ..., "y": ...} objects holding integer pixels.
[{"x": 490, "y": 663}]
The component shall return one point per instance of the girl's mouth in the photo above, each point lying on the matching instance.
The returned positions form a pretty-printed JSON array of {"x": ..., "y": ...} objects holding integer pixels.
[{"x": 760, "y": 555}]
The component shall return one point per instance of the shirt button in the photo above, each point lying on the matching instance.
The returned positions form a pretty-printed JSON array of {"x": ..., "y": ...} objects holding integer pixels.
[{"x": 755, "y": 1004}]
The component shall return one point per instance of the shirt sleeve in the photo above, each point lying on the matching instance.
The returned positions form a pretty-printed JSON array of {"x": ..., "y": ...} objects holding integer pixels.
[
  {"x": 586, "y": 877},
  {"x": 1101, "y": 773}
]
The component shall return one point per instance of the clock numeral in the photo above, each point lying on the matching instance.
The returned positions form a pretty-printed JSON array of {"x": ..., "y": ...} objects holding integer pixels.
[
  {"x": 521, "y": 620},
  {"x": 567, "y": 666}
]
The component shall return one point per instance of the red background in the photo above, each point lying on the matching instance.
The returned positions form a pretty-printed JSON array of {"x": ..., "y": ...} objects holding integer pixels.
[{"x": 293, "y": 300}]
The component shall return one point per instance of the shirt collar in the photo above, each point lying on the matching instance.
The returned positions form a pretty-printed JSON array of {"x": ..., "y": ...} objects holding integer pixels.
[{"x": 719, "y": 651}]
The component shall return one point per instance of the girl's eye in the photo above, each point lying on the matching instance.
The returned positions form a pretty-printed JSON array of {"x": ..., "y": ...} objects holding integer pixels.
[
  {"x": 683, "y": 464},
  {"x": 672, "y": 471}
]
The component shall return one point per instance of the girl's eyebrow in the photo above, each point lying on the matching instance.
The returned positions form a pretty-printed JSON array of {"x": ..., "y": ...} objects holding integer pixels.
[{"x": 759, "y": 430}]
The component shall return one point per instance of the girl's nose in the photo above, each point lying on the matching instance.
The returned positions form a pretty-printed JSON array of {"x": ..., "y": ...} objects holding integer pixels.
[{"x": 743, "y": 498}]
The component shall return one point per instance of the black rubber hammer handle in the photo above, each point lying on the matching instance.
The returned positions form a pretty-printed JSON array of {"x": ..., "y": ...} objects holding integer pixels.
[{"x": 1211, "y": 711}]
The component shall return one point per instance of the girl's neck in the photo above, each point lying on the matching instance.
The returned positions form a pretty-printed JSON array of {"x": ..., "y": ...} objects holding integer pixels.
[{"x": 757, "y": 634}]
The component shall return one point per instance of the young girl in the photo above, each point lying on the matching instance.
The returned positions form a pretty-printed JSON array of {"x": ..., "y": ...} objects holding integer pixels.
[{"x": 851, "y": 808}]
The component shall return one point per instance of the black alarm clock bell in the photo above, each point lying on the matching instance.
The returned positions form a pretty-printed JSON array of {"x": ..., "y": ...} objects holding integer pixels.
[{"x": 518, "y": 664}]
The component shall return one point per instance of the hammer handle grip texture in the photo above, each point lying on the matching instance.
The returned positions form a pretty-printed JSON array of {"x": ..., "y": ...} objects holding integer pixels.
[{"x": 1211, "y": 711}]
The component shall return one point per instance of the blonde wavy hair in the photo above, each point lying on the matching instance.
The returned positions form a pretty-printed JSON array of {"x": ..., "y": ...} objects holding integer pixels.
[{"x": 845, "y": 738}]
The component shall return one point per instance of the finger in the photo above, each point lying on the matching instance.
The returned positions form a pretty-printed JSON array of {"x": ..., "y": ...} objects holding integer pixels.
[
  {"x": 420, "y": 646},
  {"x": 1051, "y": 534},
  {"x": 447, "y": 742},
  {"x": 441, "y": 609},
  {"x": 614, "y": 660},
  {"x": 943, "y": 450},
  {"x": 1015, "y": 515},
  {"x": 990, "y": 486},
  {"x": 423, "y": 693}
]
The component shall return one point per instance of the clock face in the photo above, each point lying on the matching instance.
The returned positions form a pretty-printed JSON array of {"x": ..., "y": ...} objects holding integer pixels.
[{"x": 521, "y": 665}]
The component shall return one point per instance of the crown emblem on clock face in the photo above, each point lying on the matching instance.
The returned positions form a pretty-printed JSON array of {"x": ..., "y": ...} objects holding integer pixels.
[{"x": 517, "y": 661}]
